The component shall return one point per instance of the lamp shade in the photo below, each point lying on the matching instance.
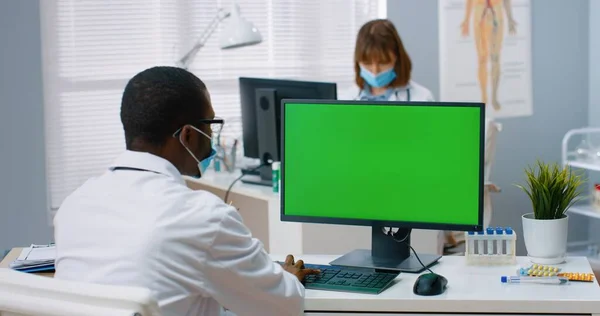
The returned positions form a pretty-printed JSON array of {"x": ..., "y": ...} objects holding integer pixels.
[{"x": 238, "y": 32}]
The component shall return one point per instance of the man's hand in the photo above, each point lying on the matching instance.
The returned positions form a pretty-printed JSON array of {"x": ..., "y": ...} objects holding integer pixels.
[{"x": 297, "y": 268}]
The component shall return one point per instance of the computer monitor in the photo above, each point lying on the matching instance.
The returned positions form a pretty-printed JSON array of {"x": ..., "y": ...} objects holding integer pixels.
[
  {"x": 383, "y": 164},
  {"x": 260, "y": 100}
]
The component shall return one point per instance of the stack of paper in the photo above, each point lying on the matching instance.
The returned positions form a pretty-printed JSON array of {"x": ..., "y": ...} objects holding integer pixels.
[{"x": 36, "y": 258}]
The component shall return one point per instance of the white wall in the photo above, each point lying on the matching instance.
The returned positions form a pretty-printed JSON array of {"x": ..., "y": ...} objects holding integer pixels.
[
  {"x": 594, "y": 63},
  {"x": 23, "y": 218}
]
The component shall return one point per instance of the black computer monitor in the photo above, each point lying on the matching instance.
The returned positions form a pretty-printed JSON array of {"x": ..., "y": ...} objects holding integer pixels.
[
  {"x": 383, "y": 164},
  {"x": 260, "y": 101}
]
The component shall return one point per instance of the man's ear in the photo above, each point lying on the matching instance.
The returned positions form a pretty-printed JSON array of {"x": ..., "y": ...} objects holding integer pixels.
[{"x": 186, "y": 135}]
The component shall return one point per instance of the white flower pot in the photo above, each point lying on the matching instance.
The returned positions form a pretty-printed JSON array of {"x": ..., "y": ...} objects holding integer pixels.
[{"x": 545, "y": 240}]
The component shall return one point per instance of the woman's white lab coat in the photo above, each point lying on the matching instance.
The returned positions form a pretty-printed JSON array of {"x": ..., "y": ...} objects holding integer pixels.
[{"x": 411, "y": 92}]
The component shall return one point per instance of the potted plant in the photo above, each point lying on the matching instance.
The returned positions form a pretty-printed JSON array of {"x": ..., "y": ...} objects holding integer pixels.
[{"x": 552, "y": 190}]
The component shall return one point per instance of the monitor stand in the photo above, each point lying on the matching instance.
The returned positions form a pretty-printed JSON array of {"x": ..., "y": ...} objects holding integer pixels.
[
  {"x": 251, "y": 170},
  {"x": 252, "y": 179},
  {"x": 387, "y": 254},
  {"x": 264, "y": 177}
]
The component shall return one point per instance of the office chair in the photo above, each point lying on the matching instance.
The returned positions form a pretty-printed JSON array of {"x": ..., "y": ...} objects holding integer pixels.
[{"x": 23, "y": 294}]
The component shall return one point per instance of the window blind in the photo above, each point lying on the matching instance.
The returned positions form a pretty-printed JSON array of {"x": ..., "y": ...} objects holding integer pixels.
[{"x": 92, "y": 47}]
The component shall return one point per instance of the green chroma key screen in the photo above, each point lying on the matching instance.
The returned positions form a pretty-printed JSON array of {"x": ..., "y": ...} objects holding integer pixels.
[{"x": 393, "y": 163}]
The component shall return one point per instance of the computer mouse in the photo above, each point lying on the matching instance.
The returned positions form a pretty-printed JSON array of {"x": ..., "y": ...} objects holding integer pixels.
[{"x": 429, "y": 284}]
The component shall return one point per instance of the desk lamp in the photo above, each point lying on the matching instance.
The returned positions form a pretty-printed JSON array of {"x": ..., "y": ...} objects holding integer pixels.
[{"x": 238, "y": 32}]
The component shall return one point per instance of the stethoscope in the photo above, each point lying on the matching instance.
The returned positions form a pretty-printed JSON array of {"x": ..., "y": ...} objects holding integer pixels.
[
  {"x": 395, "y": 93},
  {"x": 132, "y": 169}
]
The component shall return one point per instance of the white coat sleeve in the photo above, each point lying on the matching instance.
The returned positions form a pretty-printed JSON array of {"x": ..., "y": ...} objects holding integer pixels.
[
  {"x": 430, "y": 97},
  {"x": 243, "y": 278},
  {"x": 348, "y": 93}
]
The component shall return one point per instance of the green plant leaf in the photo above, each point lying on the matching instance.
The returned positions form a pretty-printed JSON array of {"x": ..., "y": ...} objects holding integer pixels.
[{"x": 552, "y": 189}]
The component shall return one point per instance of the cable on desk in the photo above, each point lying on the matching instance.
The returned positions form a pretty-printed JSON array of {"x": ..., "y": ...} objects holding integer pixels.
[
  {"x": 238, "y": 179},
  {"x": 419, "y": 259},
  {"x": 394, "y": 237}
]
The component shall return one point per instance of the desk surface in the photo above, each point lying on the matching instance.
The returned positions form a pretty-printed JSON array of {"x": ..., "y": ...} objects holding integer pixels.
[
  {"x": 12, "y": 256},
  {"x": 471, "y": 289}
]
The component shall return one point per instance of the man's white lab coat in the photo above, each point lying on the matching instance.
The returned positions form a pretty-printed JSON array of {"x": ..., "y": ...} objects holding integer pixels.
[{"x": 139, "y": 224}]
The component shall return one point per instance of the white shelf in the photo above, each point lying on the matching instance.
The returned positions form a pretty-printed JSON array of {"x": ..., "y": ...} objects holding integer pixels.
[
  {"x": 585, "y": 210},
  {"x": 584, "y": 165}
]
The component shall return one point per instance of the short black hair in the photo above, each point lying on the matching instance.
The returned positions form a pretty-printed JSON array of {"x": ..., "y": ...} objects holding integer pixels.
[{"x": 158, "y": 101}]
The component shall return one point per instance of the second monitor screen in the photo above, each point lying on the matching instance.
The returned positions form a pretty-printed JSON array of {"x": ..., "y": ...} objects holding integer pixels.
[{"x": 390, "y": 163}]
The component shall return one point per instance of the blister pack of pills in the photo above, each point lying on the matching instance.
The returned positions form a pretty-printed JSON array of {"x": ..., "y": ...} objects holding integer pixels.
[
  {"x": 550, "y": 271},
  {"x": 578, "y": 277},
  {"x": 539, "y": 270}
]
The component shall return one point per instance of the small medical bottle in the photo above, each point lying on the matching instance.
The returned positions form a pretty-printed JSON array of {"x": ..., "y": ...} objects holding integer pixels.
[
  {"x": 596, "y": 197},
  {"x": 215, "y": 162},
  {"x": 501, "y": 242},
  {"x": 471, "y": 243},
  {"x": 275, "y": 167},
  {"x": 489, "y": 241},
  {"x": 480, "y": 250},
  {"x": 509, "y": 250}
]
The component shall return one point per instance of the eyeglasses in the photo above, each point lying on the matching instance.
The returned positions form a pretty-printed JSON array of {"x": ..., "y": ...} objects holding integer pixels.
[{"x": 216, "y": 125}]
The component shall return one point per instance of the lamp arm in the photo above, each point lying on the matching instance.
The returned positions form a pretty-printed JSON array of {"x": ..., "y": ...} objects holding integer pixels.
[{"x": 188, "y": 58}]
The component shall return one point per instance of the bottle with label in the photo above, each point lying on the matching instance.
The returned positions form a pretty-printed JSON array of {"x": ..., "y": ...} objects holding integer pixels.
[
  {"x": 275, "y": 167},
  {"x": 596, "y": 197}
]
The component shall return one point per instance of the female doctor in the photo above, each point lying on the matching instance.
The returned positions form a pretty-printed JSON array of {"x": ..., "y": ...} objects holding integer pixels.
[
  {"x": 382, "y": 72},
  {"x": 382, "y": 66}
]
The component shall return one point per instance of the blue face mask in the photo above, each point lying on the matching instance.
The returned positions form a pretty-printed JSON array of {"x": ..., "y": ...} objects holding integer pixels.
[
  {"x": 382, "y": 79},
  {"x": 202, "y": 165}
]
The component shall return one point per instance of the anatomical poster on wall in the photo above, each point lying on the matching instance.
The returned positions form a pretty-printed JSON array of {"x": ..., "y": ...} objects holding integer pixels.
[{"x": 485, "y": 54}]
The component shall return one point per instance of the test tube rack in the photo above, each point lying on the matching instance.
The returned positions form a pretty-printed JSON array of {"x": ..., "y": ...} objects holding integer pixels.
[{"x": 493, "y": 246}]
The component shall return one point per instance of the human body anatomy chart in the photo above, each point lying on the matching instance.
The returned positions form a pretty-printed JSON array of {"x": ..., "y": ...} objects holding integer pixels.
[{"x": 485, "y": 54}]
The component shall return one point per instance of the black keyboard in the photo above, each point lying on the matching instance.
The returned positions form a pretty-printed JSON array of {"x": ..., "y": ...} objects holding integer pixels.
[{"x": 347, "y": 279}]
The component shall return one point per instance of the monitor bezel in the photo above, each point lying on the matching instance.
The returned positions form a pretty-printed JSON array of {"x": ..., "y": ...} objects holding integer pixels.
[{"x": 374, "y": 223}]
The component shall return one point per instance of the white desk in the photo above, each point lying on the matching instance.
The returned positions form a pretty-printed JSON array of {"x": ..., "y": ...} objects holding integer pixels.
[
  {"x": 473, "y": 290},
  {"x": 260, "y": 209}
]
